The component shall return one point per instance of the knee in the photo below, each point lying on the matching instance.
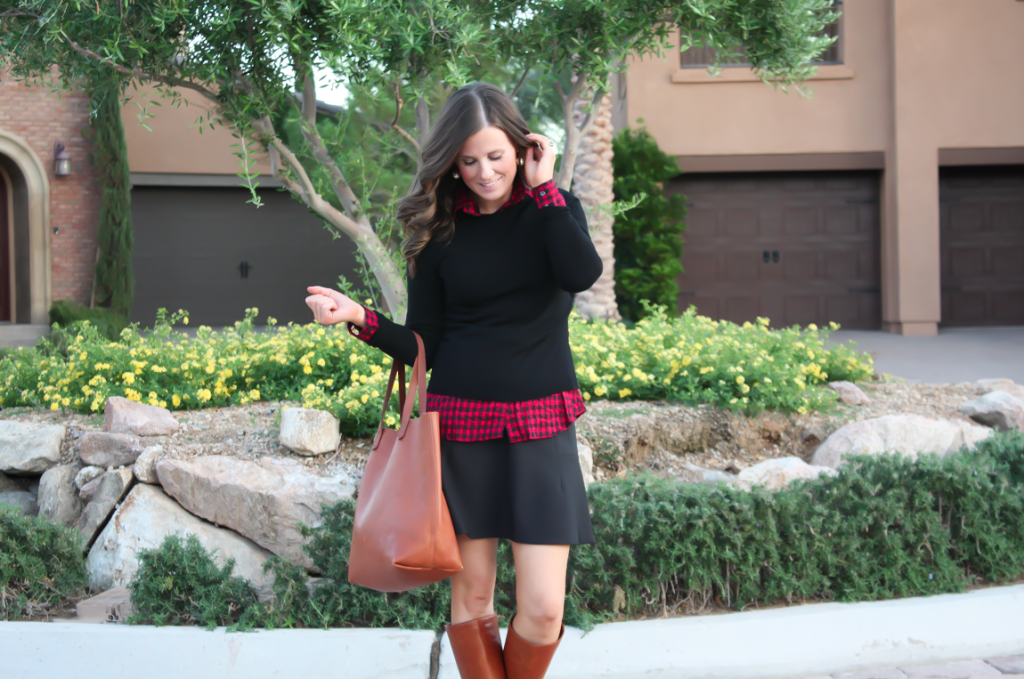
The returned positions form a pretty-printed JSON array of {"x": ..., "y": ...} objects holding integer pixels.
[
  {"x": 475, "y": 594},
  {"x": 542, "y": 611}
]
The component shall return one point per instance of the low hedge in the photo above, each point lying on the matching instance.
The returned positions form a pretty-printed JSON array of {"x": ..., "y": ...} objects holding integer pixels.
[
  {"x": 885, "y": 527},
  {"x": 41, "y": 565},
  {"x": 690, "y": 359}
]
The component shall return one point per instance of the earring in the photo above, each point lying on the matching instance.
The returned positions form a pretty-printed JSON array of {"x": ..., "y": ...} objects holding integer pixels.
[
  {"x": 455, "y": 174},
  {"x": 520, "y": 160}
]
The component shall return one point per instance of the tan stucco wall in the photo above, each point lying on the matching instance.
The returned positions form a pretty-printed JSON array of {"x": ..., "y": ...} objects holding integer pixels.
[
  {"x": 926, "y": 74},
  {"x": 175, "y": 145}
]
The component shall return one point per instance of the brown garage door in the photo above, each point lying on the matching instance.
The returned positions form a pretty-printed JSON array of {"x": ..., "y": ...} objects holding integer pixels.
[
  {"x": 982, "y": 241},
  {"x": 207, "y": 251},
  {"x": 796, "y": 247}
]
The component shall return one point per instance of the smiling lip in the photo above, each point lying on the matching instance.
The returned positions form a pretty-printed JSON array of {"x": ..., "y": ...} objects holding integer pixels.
[{"x": 491, "y": 185}]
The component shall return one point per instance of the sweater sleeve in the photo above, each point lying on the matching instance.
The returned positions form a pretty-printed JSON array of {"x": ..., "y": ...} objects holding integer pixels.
[
  {"x": 571, "y": 252},
  {"x": 425, "y": 316}
]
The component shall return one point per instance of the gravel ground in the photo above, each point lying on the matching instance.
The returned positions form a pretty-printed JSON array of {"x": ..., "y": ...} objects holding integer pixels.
[{"x": 626, "y": 436}]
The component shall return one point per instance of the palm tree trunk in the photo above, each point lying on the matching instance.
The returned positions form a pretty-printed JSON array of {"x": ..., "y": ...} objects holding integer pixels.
[{"x": 592, "y": 184}]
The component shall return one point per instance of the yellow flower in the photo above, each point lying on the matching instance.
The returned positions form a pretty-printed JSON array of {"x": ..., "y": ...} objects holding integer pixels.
[
  {"x": 54, "y": 406},
  {"x": 739, "y": 379},
  {"x": 812, "y": 326},
  {"x": 185, "y": 320},
  {"x": 306, "y": 369},
  {"x": 389, "y": 420},
  {"x": 667, "y": 380},
  {"x": 364, "y": 398},
  {"x": 362, "y": 379},
  {"x": 329, "y": 382},
  {"x": 128, "y": 378},
  {"x": 320, "y": 331},
  {"x": 586, "y": 396},
  {"x": 623, "y": 393},
  {"x": 599, "y": 390},
  {"x": 254, "y": 394},
  {"x": 176, "y": 400}
]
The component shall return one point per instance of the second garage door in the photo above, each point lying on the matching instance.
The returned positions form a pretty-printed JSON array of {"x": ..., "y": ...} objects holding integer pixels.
[{"x": 796, "y": 247}]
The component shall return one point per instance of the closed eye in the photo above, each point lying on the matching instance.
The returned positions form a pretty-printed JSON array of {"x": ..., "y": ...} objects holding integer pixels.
[{"x": 470, "y": 162}]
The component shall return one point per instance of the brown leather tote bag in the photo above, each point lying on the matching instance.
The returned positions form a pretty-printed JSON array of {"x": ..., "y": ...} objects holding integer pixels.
[{"x": 403, "y": 536}]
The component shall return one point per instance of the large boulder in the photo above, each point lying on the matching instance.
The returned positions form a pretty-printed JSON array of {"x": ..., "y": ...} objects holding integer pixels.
[
  {"x": 779, "y": 472},
  {"x": 58, "y": 495},
  {"x": 87, "y": 474},
  {"x": 308, "y": 431},
  {"x": 124, "y": 416},
  {"x": 263, "y": 502},
  {"x": 142, "y": 521},
  {"x": 996, "y": 409},
  {"x": 1001, "y": 384},
  {"x": 23, "y": 500},
  {"x": 112, "y": 488},
  {"x": 101, "y": 449},
  {"x": 910, "y": 435},
  {"x": 28, "y": 448}
]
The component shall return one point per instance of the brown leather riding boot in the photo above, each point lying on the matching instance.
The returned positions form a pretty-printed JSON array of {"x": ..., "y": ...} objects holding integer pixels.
[
  {"x": 524, "y": 660},
  {"x": 477, "y": 648}
]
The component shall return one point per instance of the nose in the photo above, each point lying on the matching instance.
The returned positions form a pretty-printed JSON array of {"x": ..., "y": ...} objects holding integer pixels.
[{"x": 486, "y": 171}]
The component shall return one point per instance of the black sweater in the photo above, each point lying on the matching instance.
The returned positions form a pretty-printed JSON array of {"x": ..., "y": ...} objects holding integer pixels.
[{"x": 492, "y": 304}]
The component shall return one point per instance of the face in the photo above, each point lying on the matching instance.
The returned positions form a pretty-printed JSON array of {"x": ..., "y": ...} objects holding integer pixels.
[{"x": 487, "y": 164}]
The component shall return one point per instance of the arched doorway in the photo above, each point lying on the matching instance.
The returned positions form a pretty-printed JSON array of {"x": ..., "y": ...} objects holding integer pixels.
[{"x": 25, "y": 257}]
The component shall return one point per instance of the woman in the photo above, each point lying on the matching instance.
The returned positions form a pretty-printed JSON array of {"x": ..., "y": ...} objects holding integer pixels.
[{"x": 493, "y": 250}]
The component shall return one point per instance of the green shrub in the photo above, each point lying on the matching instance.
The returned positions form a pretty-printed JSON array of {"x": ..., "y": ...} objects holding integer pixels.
[
  {"x": 41, "y": 564},
  {"x": 647, "y": 237},
  {"x": 690, "y": 358},
  {"x": 884, "y": 527},
  {"x": 68, "y": 315},
  {"x": 179, "y": 583}
]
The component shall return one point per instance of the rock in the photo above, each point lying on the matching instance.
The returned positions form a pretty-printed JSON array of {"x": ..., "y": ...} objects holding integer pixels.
[
  {"x": 86, "y": 492},
  {"x": 779, "y": 472},
  {"x": 734, "y": 466},
  {"x": 308, "y": 431},
  {"x": 101, "y": 449},
  {"x": 263, "y": 502},
  {"x": 850, "y": 393},
  {"x": 695, "y": 474},
  {"x": 87, "y": 474},
  {"x": 124, "y": 416},
  {"x": 21, "y": 499},
  {"x": 27, "y": 448},
  {"x": 993, "y": 383},
  {"x": 145, "y": 464},
  {"x": 996, "y": 409},
  {"x": 58, "y": 495},
  {"x": 910, "y": 435},
  {"x": 142, "y": 521},
  {"x": 114, "y": 605},
  {"x": 9, "y": 485},
  {"x": 111, "y": 489},
  {"x": 586, "y": 454}
]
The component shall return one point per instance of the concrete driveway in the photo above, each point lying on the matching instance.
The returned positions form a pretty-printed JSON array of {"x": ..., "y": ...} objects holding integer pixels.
[{"x": 954, "y": 355}]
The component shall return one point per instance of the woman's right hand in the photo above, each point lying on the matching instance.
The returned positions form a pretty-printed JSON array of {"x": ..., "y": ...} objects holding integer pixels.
[{"x": 330, "y": 307}]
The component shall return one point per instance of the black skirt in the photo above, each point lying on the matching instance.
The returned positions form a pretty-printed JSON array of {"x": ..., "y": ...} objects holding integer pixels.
[{"x": 529, "y": 492}]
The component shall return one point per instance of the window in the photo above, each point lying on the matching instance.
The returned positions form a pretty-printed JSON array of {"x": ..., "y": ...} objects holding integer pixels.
[{"x": 701, "y": 57}]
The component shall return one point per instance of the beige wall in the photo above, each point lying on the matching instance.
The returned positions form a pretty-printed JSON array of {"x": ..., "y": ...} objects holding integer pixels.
[
  {"x": 175, "y": 145},
  {"x": 918, "y": 76}
]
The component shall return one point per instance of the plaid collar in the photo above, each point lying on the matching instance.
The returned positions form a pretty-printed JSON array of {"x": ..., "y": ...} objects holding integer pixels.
[{"x": 466, "y": 201}]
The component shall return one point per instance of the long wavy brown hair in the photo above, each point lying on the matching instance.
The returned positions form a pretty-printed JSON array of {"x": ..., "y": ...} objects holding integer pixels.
[{"x": 427, "y": 211}]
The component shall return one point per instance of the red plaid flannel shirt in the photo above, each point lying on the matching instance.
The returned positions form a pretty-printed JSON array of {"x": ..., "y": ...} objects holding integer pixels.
[{"x": 464, "y": 419}]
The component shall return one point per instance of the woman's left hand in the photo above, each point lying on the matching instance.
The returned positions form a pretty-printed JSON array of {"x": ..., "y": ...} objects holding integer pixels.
[{"x": 539, "y": 165}]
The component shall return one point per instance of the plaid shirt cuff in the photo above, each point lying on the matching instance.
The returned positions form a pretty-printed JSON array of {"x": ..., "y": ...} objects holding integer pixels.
[
  {"x": 548, "y": 194},
  {"x": 366, "y": 332}
]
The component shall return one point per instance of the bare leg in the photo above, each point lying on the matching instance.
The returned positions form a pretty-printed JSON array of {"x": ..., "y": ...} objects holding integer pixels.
[
  {"x": 540, "y": 590},
  {"x": 473, "y": 586}
]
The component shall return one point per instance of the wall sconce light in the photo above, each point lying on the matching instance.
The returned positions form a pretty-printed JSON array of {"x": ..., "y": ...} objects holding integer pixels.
[{"x": 61, "y": 160}]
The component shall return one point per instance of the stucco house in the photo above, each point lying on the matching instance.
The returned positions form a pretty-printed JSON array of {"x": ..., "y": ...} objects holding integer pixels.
[
  {"x": 198, "y": 244},
  {"x": 892, "y": 198}
]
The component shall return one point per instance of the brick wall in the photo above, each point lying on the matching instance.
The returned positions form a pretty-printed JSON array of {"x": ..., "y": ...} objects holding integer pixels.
[{"x": 41, "y": 118}]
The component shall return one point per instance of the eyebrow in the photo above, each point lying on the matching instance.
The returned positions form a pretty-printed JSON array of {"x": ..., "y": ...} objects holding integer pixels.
[{"x": 486, "y": 154}]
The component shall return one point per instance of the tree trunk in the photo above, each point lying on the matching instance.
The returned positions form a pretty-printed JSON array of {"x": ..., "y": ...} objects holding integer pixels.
[{"x": 592, "y": 184}]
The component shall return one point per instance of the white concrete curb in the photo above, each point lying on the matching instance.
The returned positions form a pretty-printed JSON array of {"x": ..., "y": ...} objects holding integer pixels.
[
  {"x": 38, "y": 650},
  {"x": 798, "y": 641}
]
